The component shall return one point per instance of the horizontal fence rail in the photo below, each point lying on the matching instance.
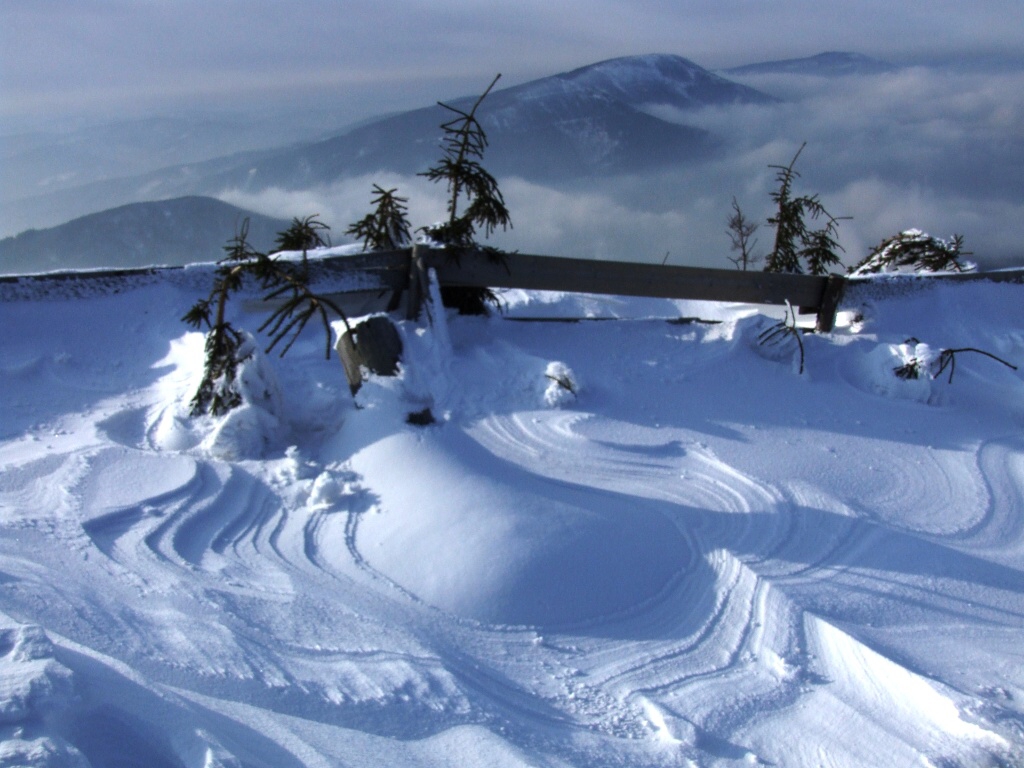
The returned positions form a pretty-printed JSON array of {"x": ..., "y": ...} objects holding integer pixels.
[
  {"x": 404, "y": 271},
  {"x": 811, "y": 293},
  {"x": 623, "y": 278}
]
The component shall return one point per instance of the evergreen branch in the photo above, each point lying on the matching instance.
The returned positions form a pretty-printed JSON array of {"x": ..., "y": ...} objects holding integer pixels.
[
  {"x": 947, "y": 358},
  {"x": 564, "y": 382},
  {"x": 300, "y": 320},
  {"x": 915, "y": 250}
]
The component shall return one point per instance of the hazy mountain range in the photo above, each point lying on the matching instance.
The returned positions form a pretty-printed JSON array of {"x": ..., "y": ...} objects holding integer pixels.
[
  {"x": 178, "y": 231},
  {"x": 592, "y": 121},
  {"x": 588, "y": 122},
  {"x": 621, "y": 118}
]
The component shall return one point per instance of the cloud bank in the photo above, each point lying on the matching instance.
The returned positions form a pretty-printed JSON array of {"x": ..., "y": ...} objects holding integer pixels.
[{"x": 935, "y": 149}]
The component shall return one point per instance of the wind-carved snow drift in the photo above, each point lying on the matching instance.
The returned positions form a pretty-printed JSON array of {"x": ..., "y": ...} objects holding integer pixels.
[{"x": 699, "y": 558}]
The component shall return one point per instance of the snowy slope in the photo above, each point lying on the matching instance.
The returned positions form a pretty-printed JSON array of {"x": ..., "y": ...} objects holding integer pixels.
[{"x": 700, "y": 558}]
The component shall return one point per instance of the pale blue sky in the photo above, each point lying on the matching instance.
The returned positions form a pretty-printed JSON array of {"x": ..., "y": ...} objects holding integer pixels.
[{"x": 133, "y": 56}]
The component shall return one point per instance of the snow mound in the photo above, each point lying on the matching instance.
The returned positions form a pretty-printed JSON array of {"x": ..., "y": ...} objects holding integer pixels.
[
  {"x": 879, "y": 371},
  {"x": 249, "y": 431},
  {"x": 34, "y": 690},
  {"x": 706, "y": 559},
  {"x": 502, "y": 546}
]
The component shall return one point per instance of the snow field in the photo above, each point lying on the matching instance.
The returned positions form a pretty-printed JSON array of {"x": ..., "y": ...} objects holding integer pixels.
[{"x": 696, "y": 558}]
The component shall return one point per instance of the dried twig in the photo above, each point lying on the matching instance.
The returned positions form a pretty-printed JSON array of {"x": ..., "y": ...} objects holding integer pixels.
[{"x": 787, "y": 327}]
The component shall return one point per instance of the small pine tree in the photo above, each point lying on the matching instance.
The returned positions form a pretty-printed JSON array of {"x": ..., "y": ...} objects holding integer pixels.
[
  {"x": 463, "y": 148},
  {"x": 797, "y": 247},
  {"x": 474, "y": 200},
  {"x": 303, "y": 234},
  {"x": 224, "y": 349},
  {"x": 386, "y": 228}
]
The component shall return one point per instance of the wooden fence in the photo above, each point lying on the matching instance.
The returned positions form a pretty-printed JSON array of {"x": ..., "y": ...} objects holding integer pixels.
[
  {"x": 820, "y": 295},
  {"x": 810, "y": 294},
  {"x": 402, "y": 274}
]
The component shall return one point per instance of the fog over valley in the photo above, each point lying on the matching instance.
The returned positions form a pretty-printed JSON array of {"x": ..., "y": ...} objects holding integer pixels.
[{"x": 921, "y": 127}]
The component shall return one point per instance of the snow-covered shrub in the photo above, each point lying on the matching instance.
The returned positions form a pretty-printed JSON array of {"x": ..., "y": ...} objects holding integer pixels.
[
  {"x": 927, "y": 362},
  {"x": 908, "y": 370},
  {"x": 248, "y": 430},
  {"x": 897, "y": 371},
  {"x": 563, "y": 386},
  {"x": 284, "y": 281},
  {"x": 916, "y": 360},
  {"x": 915, "y": 251}
]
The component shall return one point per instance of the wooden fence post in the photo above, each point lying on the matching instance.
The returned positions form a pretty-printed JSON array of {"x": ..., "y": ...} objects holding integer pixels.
[
  {"x": 417, "y": 291},
  {"x": 830, "y": 298}
]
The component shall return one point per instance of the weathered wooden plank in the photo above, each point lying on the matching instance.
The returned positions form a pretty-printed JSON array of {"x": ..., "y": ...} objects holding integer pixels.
[
  {"x": 627, "y": 279},
  {"x": 384, "y": 270},
  {"x": 859, "y": 289},
  {"x": 1013, "y": 275}
]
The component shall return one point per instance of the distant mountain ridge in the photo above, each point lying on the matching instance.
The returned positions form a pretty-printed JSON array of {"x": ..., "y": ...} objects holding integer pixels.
[
  {"x": 586, "y": 123},
  {"x": 828, "y": 64},
  {"x": 168, "y": 232}
]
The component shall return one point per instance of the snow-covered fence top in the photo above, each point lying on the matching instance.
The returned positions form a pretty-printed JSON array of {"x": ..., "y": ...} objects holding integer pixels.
[{"x": 333, "y": 274}]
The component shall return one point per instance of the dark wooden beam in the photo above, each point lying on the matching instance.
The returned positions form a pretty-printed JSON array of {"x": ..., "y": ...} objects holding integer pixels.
[{"x": 625, "y": 278}]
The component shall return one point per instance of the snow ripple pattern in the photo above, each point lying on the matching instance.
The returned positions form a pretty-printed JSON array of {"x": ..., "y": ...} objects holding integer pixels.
[
  {"x": 705, "y": 635},
  {"x": 618, "y": 586}
]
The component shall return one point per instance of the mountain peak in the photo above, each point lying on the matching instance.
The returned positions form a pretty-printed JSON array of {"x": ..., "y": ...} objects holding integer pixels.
[
  {"x": 656, "y": 78},
  {"x": 641, "y": 67}
]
